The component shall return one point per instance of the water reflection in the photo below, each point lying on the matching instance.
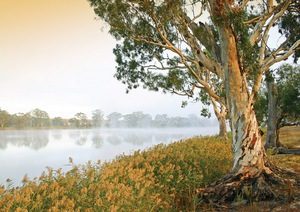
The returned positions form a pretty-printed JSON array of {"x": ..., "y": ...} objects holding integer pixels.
[
  {"x": 30, "y": 151},
  {"x": 37, "y": 139},
  {"x": 56, "y": 134},
  {"x": 23, "y": 138},
  {"x": 97, "y": 141},
  {"x": 115, "y": 140}
]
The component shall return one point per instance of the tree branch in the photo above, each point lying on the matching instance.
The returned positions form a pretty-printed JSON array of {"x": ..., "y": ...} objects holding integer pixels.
[
  {"x": 258, "y": 29},
  {"x": 283, "y": 57}
]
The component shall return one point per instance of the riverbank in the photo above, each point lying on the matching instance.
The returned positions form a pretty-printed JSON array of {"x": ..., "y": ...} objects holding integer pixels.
[{"x": 160, "y": 178}]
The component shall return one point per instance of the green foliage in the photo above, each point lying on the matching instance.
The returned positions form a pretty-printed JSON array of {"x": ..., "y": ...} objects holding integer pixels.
[
  {"x": 57, "y": 122},
  {"x": 162, "y": 178},
  {"x": 205, "y": 112},
  {"x": 261, "y": 107},
  {"x": 145, "y": 29},
  {"x": 287, "y": 80},
  {"x": 288, "y": 83},
  {"x": 40, "y": 118},
  {"x": 165, "y": 50},
  {"x": 97, "y": 117},
  {"x": 4, "y": 117},
  {"x": 289, "y": 26}
]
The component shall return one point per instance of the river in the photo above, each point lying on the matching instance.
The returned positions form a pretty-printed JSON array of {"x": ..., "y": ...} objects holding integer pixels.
[{"x": 31, "y": 151}]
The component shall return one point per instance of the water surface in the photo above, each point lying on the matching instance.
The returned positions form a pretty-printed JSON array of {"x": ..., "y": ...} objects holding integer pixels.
[{"x": 31, "y": 151}]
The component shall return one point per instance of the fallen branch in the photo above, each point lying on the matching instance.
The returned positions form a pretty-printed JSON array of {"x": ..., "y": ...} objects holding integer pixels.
[{"x": 281, "y": 150}]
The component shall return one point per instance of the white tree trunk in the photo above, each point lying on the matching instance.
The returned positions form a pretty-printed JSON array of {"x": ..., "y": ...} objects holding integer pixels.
[
  {"x": 247, "y": 146},
  {"x": 221, "y": 116}
]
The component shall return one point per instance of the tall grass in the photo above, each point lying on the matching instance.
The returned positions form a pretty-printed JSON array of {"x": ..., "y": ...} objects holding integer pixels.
[{"x": 161, "y": 178}]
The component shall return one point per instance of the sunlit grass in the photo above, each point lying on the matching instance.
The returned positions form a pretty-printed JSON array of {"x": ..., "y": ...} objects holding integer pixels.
[
  {"x": 160, "y": 178},
  {"x": 289, "y": 137}
]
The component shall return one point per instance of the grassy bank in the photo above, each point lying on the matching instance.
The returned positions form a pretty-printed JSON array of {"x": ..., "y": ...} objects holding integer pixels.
[
  {"x": 290, "y": 138},
  {"x": 160, "y": 177}
]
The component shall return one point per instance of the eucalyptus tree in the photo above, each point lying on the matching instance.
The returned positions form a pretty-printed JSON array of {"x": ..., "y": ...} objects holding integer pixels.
[
  {"x": 20, "y": 120},
  {"x": 182, "y": 83},
  {"x": 97, "y": 117},
  {"x": 161, "y": 121},
  {"x": 279, "y": 103},
  {"x": 4, "y": 117},
  {"x": 114, "y": 119},
  {"x": 138, "y": 119},
  {"x": 82, "y": 119},
  {"x": 167, "y": 76},
  {"x": 57, "y": 122},
  {"x": 39, "y": 118},
  {"x": 167, "y": 32}
]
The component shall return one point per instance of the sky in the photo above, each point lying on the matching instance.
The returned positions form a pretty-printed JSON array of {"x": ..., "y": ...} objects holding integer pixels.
[{"x": 56, "y": 57}]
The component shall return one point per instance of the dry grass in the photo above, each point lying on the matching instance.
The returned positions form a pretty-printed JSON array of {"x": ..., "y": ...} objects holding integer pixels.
[{"x": 289, "y": 137}]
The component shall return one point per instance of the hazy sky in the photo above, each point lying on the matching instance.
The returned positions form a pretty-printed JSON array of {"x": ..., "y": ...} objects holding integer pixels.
[{"x": 54, "y": 56}]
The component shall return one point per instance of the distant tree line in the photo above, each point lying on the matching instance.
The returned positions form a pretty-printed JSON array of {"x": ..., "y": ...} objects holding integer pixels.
[{"x": 40, "y": 119}]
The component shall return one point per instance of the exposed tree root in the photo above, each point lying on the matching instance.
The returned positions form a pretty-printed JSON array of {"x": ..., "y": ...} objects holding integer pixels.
[
  {"x": 277, "y": 169},
  {"x": 255, "y": 185}
]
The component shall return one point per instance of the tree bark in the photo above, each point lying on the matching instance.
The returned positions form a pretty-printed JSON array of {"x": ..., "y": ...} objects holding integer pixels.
[
  {"x": 247, "y": 146},
  {"x": 221, "y": 116},
  {"x": 222, "y": 128},
  {"x": 272, "y": 131}
]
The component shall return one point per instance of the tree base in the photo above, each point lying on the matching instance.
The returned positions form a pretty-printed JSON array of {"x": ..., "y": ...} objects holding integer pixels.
[{"x": 255, "y": 186}]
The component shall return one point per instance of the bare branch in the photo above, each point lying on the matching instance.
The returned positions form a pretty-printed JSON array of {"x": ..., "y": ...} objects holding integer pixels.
[
  {"x": 271, "y": 10},
  {"x": 268, "y": 27},
  {"x": 283, "y": 57}
]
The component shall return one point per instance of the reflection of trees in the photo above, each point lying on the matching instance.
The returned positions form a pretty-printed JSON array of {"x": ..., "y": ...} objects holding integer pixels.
[
  {"x": 97, "y": 141},
  {"x": 57, "y": 135},
  {"x": 74, "y": 134},
  {"x": 81, "y": 141},
  {"x": 37, "y": 139},
  {"x": 80, "y": 136},
  {"x": 138, "y": 138},
  {"x": 32, "y": 139},
  {"x": 115, "y": 140}
]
